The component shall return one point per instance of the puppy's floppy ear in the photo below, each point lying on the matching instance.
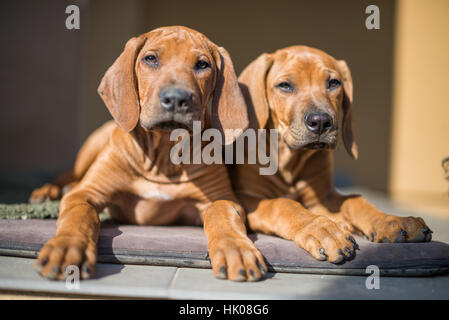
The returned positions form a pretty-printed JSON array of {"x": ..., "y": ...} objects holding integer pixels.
[
  {"x": 253, "y": 81},
  {"x": 118, "y": 88},
  {"x": 228, "y": 106},
  {"x": 348, "y": 129}
]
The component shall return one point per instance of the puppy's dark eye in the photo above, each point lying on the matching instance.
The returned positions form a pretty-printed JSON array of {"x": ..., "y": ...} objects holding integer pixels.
[
  {"x": 201, "y": 65},
  {"x": 333, "y": 83},
  {"x": 151, "y": 60},
  {"x": 285, "y": 86}
]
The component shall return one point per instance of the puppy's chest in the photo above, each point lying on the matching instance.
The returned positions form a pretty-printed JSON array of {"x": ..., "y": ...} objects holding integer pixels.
[
  {"x": 162, "y": 192},
  {"x": 151, "y": 203}
]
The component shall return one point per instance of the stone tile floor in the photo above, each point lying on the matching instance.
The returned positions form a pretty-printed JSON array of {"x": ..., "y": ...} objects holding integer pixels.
[{"x": 19, "y": 280}]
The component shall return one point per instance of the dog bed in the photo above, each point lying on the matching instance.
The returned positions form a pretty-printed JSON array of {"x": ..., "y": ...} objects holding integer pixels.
[{"x": 22, "y": 235}]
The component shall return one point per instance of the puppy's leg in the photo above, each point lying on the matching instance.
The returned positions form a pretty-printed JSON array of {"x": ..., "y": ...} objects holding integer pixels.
[
  {"x": 78, "y": 223},
  {"x": 323, "y": 238},
  {"x": 376, "y": 225},
  {"x": 75, "y": 241},
  {"x": 232, "y": 254}
]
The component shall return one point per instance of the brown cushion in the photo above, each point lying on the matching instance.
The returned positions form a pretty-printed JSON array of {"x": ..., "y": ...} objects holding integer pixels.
[{"x": 184, "y": 246}]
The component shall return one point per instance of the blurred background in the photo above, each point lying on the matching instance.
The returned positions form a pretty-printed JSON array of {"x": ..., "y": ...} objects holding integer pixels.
[{"x": 49, "y": 76}]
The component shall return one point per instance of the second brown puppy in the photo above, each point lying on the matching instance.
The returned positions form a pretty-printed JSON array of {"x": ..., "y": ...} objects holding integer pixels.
[{"x": 304, "y": 93}]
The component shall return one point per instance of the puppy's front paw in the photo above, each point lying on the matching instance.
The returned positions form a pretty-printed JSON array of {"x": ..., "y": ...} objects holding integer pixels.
[
  {"x": 236, "y": 259},
  {"x": 65, "y": 250},
  {"x": 326, "y": 240},
  {"x": 45, "y": 193},
  {"x": 400, "y": 229}
]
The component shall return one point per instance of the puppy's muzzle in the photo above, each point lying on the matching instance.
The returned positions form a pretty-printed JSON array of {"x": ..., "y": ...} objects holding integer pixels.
[
  {"x": 176, "y": 100},
  {"x": 322, "y": 133},
  {"x": 177, "y": 110},
  {"x": 318, "y": 122}
]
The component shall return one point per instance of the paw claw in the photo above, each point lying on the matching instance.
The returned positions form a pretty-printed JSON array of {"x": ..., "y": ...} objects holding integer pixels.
[
  {"x": 86, "y": 274},
  {"x": 43, "y": 262},
  {"x": 54, "y": 273},
  {"x": 262, "y": 269},
  {"x": 222, "y": 274},
  {"x": 402, "y": 237},
  {"x": 241, "y": 276},
  {"x": 354, "y": 243},
  {"x": 252, "y": 275},
  {"x": 322, "y": 253},
  {"x": 348, "y": 251}
]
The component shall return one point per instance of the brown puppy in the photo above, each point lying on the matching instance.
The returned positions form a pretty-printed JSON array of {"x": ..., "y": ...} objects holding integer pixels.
[
  {"x": 304, "y": 93},
  {"x": 164, "y": 79}
]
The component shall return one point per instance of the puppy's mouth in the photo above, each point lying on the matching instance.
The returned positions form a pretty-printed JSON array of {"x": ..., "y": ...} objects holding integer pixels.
[
  {"x": 171, "y": 125},
  {"x": 310, "y": 143},
  {"x": 317, "y": 145}
]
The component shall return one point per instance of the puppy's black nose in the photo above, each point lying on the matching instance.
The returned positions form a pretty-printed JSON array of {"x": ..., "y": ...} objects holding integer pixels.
[
  {"x": 318, "y": 122},
  {"x": 175, "y": 99}
]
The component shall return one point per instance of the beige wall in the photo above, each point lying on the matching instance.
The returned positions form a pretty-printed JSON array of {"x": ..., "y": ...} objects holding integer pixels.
[{"x": 421, "y": 104}]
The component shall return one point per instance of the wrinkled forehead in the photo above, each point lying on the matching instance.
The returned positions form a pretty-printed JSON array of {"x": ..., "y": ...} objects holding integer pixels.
[
  {"x": 304, "y": 64},
  {"x": 177, "y": 41}
]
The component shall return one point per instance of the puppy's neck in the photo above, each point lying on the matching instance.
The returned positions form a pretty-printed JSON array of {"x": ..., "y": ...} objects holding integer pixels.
[
  {"x": 291, "y": 162},
  {"x": 155, "y": 146}
]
